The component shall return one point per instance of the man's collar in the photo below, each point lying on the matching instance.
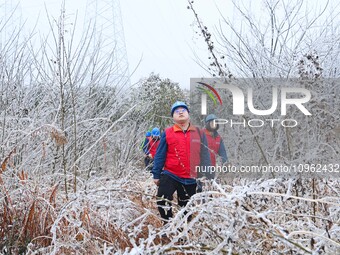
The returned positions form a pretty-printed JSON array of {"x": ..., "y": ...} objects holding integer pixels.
[{"x": 178, "y": 128}]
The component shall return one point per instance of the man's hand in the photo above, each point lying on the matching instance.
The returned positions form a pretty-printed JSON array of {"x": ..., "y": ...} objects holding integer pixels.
[
  {"x": 150, "y": 155},
  {"x": 156, "y": 181}
]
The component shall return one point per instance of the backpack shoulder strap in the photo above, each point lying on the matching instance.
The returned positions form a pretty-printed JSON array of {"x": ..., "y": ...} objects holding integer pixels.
[{"x": 199, "y": 133}]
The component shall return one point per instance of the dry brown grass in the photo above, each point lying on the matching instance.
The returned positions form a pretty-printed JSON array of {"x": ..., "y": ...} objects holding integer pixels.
[{"x": 37, "y": 219}]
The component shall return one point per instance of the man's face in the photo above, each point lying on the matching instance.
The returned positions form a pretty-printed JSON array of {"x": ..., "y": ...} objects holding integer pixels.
[
  {"x": 181, "y": 115},
  {"x": 212, "y": 125}
]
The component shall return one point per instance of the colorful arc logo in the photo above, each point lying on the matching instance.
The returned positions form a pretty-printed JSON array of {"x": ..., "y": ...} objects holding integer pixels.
[{"x": 211, "y": 92}]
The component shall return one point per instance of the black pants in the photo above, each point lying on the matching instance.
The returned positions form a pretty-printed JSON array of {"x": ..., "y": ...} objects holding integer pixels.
[
  {"x": 166, "y": 189},
  {"x": 148, "y": 163}
]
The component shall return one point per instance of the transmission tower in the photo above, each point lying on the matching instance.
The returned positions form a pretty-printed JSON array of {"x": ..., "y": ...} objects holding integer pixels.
[{"x": 106, "y": 19}]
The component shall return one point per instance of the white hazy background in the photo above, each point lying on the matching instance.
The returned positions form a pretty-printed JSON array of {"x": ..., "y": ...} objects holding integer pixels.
[{"x": 160, "y": 35}]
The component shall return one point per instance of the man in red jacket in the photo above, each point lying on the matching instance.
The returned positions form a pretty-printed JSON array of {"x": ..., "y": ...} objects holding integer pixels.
[
  {"x": 145, "y": 146},
  {"x": 178, "y": 154},
  {"x": 150, "y": 147},
  {"x": 215, "y": 142}
]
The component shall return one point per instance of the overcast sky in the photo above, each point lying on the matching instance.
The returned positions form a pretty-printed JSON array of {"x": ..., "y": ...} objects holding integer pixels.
[{"x": 160, "y": 34}]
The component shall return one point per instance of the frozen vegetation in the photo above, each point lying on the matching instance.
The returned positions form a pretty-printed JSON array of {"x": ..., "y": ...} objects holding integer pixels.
[{"x": 72, "y": 179}]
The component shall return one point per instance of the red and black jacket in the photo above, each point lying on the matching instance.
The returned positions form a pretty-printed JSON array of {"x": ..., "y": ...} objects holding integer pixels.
[{"x": 179, "y": 152}]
